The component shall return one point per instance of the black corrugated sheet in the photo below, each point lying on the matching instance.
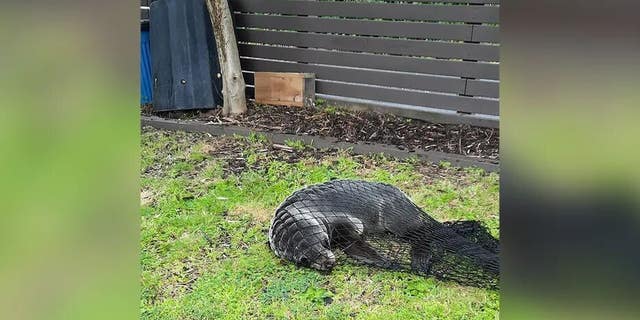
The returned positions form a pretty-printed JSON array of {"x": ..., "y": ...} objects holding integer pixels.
[{"x": 184, "y": 60}]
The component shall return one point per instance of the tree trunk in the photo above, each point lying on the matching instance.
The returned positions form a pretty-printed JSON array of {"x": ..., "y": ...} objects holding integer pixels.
[{"x": 232, "y": 81}]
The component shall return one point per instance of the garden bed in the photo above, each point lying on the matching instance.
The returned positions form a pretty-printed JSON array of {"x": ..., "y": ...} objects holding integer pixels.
[
  {"x": 366, "y": 148},
  {"x": 360, "y": 126}
]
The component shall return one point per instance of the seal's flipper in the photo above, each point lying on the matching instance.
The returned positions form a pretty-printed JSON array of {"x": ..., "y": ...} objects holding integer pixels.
[
  {"x": 361, "y": 251},
  {"x": 422, "y": 260}
]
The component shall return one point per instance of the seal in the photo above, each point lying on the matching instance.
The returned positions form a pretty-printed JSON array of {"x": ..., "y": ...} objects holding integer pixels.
[{"x": 315, "y": 221}]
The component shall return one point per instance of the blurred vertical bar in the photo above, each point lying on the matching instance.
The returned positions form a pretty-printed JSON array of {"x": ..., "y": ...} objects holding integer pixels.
[
  {"x": 570, "y": 179},
  {"x": 146, "y": 89},
  {"x": 69, "y": 135}
]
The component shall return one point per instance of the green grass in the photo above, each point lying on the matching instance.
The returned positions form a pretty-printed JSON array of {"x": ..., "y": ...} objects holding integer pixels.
[
  {"x": 297, "y": 145},
  {"x": 203, "y": 236}
]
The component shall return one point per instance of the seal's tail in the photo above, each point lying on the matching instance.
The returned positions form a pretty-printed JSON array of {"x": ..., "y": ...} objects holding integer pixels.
[
  {"x": 476, "y": 232},
  {"x": 463, "y": 252}
]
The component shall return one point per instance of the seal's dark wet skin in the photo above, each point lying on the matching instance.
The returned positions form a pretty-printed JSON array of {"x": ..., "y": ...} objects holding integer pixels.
[{"x": 378, "y": 225}]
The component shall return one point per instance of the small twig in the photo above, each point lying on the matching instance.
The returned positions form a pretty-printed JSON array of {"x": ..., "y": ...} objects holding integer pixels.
[
  {"x": 490, "y": 135},
  {"x": 283, "y": 147},
  {"x": 268, "y": 127},
  {"x": 230, "y": 120}
]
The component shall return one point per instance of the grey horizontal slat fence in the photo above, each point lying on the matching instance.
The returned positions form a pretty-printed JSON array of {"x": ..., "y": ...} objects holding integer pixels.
[
  {"x": 482, "y": 88},
  {"x": 407, "y": 96},
  {"x": 359, "y": 27},
  {"x": 372, "y": 44},
  {"x": 350, "y": 9},
  {"x": 373, "y": 77},
  {"x": 373, "y": 61},
  {"x": 483, "y": 33},
  {"x": 462, "y": 1},
  {"x": 433, "y": 55}
]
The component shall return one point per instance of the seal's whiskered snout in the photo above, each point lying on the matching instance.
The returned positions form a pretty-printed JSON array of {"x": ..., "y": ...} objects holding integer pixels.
[
  {"x": 325, "y": 262},
  {"x": 377, "y": 224}
]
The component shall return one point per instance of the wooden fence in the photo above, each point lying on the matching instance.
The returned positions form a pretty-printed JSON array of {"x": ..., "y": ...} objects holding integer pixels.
[{"x": 423, "y": 59}]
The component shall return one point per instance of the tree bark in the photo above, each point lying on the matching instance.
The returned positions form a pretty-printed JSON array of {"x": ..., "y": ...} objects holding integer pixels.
[{"x": 233, "y": 85}]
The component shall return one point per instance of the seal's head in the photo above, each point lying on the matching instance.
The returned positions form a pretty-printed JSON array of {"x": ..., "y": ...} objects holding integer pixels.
[
  {"x": 325, "y": 261},
  {"x": 317, "y": 256}
]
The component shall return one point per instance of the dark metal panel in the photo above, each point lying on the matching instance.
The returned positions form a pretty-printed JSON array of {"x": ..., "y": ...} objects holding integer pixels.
[
  {"x": 161, "y": 62},
  {"x": 483, "y": 88},
  {"x": 426, "y": 12},
  {"x": 423, "y": 30},
  {"x": 433, "y": 100},
  {"x": 374, "y": 77},
  {"x": 374, "y": 61},
  {"x": 184, "y": 56},
  {"x": 373, "y": 44},
  {"x": 483, "y": 33}
]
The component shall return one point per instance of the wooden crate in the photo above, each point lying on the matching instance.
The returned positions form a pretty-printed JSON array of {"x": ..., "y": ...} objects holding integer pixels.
[{"x": 285, "y": 88}]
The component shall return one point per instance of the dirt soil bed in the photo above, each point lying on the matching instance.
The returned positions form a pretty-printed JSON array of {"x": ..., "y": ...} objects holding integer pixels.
[{"x": 360, "y": 126}]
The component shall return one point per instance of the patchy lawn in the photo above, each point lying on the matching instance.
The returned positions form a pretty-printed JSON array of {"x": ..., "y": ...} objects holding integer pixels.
[{"x": 206, "y": 206}]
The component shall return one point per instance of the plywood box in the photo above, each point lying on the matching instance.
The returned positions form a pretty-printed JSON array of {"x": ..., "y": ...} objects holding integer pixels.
[{"x": 285, "y": 88}]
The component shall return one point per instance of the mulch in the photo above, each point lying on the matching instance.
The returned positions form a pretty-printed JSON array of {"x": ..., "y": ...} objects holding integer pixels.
[{"x": 360, "y": 126}]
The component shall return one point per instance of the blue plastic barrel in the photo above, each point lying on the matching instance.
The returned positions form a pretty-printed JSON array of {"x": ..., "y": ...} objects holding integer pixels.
[{"x": 146, "y": 89}]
